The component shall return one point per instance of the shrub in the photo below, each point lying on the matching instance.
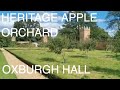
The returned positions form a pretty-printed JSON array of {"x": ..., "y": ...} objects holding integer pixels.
[
  {"x": 72, "y": 45},
  {"x": 13, "y": 44},
  {"x": 87, "y": 45}
]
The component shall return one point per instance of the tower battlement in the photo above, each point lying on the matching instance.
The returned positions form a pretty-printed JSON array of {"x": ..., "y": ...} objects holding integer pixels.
[{"x": 85, "y": 28}]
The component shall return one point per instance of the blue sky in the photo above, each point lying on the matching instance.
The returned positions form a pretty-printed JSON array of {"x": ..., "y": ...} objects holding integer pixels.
[{"x": 100, "y": 16}]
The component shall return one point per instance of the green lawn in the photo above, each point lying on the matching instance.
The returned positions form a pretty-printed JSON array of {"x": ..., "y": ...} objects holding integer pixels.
[
  {"x": 101, "y": 64},
  {"x": 2, "y": 63}
]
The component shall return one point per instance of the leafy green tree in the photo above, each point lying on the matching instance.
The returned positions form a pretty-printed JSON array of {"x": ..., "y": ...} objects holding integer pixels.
[
  {"x": 71, "y": 31},
  {"x": 113, "y": 20},
  {"x": 69, "y": 36},
  {"x": 56, "y": 45},
  {"x": 116, "y": 45},
  {"x": 87, "y": 45},
  {"x": 75, "y": 26},
  {"x": 99, "y": 34},
  {"x": 27, "y": 24},
  {"x": 5, "y": 41}
]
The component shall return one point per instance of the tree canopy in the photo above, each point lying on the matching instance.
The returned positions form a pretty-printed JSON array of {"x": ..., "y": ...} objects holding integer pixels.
[
  {"x": 113, "y": 20},
  {"x": 71, "y": 29},
  {"x": 27, "y": 24},
  {"x": 4, "y": 41}
]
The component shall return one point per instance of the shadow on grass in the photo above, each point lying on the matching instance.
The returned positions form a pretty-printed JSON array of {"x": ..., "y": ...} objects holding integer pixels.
[
  {"x": 109, "y": 56},
  {"x": 117, "y": 57},
  {"x": 69, "y": 50},
  {"x": 106, "y": 70},
  {"x": 106, "y": 52},
  {"x": 48, "y": 59},
  {"x": 78, "y": 56},
  {"x": 113, "y": 56},
  {"x": 49, "y": 51}
]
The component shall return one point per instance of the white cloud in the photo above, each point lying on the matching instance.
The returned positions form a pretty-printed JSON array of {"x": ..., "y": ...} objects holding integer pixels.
[
  {"x": 111, "y": 32},
  {"x": 5, "y": 24},
  {"x": 101, "y": 20},
  {"x": 56, "y": 25},
  {"x": 47, "y": 18},
  {"x": 60, "y": 19},
  {"x": 51, "y": 25}
]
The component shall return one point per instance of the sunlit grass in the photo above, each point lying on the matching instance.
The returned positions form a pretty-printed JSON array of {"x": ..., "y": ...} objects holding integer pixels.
[
  {"x": 2, "y": 63},
  {"x": 101, "y": 64}
]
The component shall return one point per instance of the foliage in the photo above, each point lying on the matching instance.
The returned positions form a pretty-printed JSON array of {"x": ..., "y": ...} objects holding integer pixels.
[
  {"x": 74, "y": 25},
  {"x": 27, "y": 24},
  {"x": 71, "y": 32},
  {"x": 99, "y": 34},
  {"x": 113, "y": 19},
  {"x": 87, "y": 45},
  {"x": 56, "y": 45},
  {"x": 5, "y": 41}
]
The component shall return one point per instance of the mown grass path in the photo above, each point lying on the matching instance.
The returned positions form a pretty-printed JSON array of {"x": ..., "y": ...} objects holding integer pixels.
[{"x": 12, "y": 60}]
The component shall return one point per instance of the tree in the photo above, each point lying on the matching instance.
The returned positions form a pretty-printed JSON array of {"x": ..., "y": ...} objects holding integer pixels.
[
  {"x": 75, "y": 26},
  {"x": 87, "y": 45},
  {"x": 113, "y": 20},
  {"x": 69, "y": 36},
  {"x": 27, "y": 24},
  {"x": 71, "y": 31},
  {"x": 56, "y": 45},
  {"x": 5, "y": 41},
  {"x": 99, "y": 34}
]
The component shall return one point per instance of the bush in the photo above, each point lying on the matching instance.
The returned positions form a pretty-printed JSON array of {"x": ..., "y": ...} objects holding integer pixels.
[
  {"x": 4, "y": 41},
  {"x": 42, "y": 44},
  {"x": 56, "y": 45},
  {"x": 72, "y": 45},
  {"x": 87, "y": 45},
  {"x": 92, "y": 44},
  {"x": 13, "y": 44}
]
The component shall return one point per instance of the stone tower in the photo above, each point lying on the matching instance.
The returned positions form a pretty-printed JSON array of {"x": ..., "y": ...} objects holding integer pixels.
[{"x": 84, "y": 33}]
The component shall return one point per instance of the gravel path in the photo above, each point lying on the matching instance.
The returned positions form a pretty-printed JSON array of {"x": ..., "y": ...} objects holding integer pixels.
[{"x": 12, "y": 60}]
